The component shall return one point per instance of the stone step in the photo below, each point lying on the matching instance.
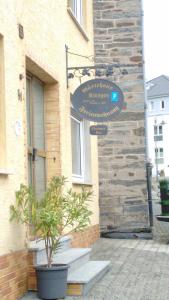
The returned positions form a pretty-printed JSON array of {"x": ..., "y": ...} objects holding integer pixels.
[
  {"x": 82, "y": 280},
  {"x": 39, "y": 245},
  {"x": 39, "y": 252},
  {"x": 73, "y": 257}
]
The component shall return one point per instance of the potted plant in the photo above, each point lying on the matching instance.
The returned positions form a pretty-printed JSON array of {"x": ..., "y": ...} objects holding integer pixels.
[
  {"x": 164, "y": 195},
  {"x": 47, "y": 219}
]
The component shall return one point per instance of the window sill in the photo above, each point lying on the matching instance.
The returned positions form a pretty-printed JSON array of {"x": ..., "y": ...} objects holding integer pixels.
[
  {"x": 75, "y": 181},
  {"x": 6, "y": 172},
  {"x": 79, "y": 26}
]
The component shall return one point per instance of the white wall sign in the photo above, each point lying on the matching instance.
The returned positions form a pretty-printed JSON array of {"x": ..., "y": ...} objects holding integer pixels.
[{"x": 18, "y": 127}]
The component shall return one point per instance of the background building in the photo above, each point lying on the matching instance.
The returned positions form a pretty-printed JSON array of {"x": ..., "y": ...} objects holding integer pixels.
[
  {"x": 158, "y": 124},
  {"x": 122, "y": 153},
  {"x": 39, "y": 136}
]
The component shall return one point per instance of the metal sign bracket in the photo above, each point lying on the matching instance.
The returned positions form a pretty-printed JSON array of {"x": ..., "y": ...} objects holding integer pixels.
[{"x": 102, "y": 70}]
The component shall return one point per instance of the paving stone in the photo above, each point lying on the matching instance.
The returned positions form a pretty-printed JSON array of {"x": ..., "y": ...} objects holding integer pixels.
[{"x": 139, "y": 271}]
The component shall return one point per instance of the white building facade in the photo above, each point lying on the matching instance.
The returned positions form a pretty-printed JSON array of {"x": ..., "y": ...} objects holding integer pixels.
[{"x": 158, "y": 125}]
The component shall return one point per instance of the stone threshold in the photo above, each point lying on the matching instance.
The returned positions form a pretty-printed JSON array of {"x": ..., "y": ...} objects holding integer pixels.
[{"x": 129, "y": 233}]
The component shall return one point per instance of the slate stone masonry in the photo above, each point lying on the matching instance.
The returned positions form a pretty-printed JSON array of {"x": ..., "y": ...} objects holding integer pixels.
[{"x": 123, "y": 193}]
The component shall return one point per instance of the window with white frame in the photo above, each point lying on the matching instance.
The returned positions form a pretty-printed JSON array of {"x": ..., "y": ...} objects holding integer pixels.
[
  {"x": 151, "y": 105},
  {"x": 81, "y": 149},
  {"x": 77, "y": 144},
  {"x": 159, "y": 156},
  {"x": 77, "y": 8},
  {"x": 158, "y": 133},
  {"x": 162, "y": 105}
]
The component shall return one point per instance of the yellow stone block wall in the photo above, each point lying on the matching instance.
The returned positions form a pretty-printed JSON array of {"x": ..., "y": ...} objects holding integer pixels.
[{"x": 48, "y": 26}]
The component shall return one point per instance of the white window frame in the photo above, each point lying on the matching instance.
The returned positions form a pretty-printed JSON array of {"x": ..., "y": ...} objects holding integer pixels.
[
  {"x": 162, "y": 105},
  {"x": 158, "y": 136},
  {"x": 159, "y": 155},
  {"x": 85, "y": 148},
  {"x": 77, "y": 10},
  {"x": 82, "y": 163}
]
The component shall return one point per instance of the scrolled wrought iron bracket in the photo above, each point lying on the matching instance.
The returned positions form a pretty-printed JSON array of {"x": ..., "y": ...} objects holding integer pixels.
[{"x": 98, "y": 70}]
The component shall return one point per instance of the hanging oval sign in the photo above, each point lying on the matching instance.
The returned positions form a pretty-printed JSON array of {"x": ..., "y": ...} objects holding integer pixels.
[{"x": 98, "y": 100}]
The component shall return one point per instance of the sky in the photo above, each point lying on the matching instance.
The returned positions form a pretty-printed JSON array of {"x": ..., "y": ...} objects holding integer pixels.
[{"x": 156, "y": 38}]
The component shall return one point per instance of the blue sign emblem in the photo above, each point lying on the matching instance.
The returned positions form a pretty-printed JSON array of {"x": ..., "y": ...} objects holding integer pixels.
[{"x": 114, "y": 96}]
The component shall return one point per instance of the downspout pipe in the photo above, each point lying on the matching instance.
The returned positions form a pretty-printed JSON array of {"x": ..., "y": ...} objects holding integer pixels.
[{"x": 148, "y": 164}]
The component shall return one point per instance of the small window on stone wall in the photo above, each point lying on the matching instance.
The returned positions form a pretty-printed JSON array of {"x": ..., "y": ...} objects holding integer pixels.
[{"x": 2, "y": 108}]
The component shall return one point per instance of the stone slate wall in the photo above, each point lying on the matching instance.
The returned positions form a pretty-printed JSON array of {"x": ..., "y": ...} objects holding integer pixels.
[{"x": 118, "y": 39}]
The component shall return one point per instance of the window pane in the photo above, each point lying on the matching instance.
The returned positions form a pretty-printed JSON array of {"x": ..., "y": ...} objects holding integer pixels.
[
  {"x": 87, "y": 151},
  {"x": 76, "y": 7},
  {"x": 38, "y": 115},
  {"x": 158, "y": 138},
  {"x": 162, "y": 104},
  {"x": 72, "y": 4},
  {"x": 28, "y": 111},
  {"x": 159, "y": 161},
  {"x": 79, "y": 10},
  {"x": 151, "y": 105},
  {"x": 36, "y": 136},
  {"x": 39, "y": 174},
  {"x": 160, "y": 129},
  {"x": 155, "y": 129},
  {"x": 161, "y": 152},
  {"x": 76, "y": 147},
  {"x": 30, "y": 178}
]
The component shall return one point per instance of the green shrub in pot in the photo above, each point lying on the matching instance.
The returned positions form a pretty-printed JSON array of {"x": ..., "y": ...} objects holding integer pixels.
[
  {"x": 48, "y": 219},
  {"x": 164, "y": 195}
]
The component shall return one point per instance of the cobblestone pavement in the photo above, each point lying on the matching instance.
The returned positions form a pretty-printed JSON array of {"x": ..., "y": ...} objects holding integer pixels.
[
  {"x": 139, "y": 268},
  {"x": 139, "y": 271}
]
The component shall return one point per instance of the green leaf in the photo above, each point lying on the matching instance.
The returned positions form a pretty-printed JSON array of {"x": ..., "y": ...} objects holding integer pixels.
[{"x": 57, "y": 210}]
